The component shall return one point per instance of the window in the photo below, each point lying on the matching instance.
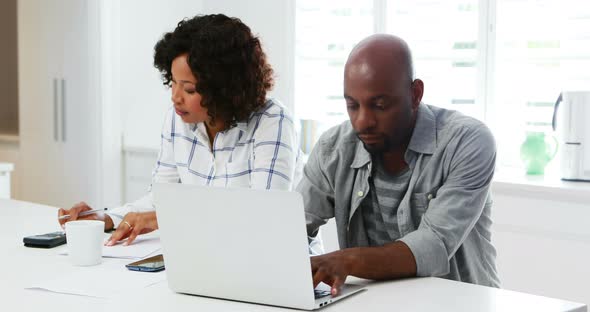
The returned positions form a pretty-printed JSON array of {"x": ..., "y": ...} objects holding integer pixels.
[
  {"x": 326, "y": 31},
  {"x": 534, "y": 61},
  {"x": 501, "y": 61},
  {"x": 443, "y": 36}
]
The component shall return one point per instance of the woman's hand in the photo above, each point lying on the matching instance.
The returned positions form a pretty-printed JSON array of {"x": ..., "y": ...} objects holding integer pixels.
[
  {"x": 77, "y": 209},
  {"x": 134, "y": 223}
]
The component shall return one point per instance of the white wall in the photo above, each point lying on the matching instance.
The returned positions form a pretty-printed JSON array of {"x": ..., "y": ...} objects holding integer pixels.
[
  {"x": 138, "y": 164},
  {"x": 274, "y": 22},
  {"x": 143, "y": 98},
  {"x": 110, "y": 81}
]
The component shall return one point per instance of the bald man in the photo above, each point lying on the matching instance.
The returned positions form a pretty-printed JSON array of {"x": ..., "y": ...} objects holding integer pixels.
[{"x": 407, "y": 183}]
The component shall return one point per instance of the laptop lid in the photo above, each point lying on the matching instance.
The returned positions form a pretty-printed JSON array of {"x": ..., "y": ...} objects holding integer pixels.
[{"x": 239, "y": 244}]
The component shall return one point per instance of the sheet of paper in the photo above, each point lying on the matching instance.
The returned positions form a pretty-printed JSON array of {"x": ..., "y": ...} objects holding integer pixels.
[
  {"x": 100, "y": 282},
  {"x": 141, "y": 248}
]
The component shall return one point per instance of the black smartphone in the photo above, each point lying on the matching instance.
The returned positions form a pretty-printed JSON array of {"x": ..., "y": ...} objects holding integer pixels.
[
  {"x": 151, "y": 264},
  {"x": 48, "y": 240}
]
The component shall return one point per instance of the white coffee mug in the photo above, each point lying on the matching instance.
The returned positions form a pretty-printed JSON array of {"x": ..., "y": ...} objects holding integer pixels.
[{"x": 85, "y": 241}]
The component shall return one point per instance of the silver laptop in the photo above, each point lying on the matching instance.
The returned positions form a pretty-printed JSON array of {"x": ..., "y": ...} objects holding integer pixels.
[{"x": 238, "y": 244}]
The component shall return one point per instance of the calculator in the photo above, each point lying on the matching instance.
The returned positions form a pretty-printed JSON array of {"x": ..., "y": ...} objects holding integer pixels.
[{"x": 48, "y": 240}]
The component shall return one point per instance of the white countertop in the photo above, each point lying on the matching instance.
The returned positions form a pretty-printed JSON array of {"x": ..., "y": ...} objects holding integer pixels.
[
  {"x": 511, "y": 181},
  {"x": 24, "y": 265}
]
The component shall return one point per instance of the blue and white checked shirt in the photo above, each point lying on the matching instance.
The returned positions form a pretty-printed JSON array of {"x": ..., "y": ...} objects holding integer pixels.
[{"x": 260, "y": 153}]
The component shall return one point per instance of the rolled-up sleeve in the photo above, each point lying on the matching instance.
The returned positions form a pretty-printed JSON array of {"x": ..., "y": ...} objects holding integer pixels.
[
  {"x": 457, "y": 205},
  {"x": 143, "y": 204}
]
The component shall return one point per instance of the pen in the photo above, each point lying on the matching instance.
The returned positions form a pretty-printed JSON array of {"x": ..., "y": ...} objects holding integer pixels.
[{"x": 84, "y": 213}]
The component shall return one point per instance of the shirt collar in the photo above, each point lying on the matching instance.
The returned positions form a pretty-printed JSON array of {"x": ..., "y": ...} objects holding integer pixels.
[
  {"x": 242, "y": 125},
  {"x": 361, "y": 156},
  {"x": 196, "y": 127},
  {"x": 423, "y": 138}
]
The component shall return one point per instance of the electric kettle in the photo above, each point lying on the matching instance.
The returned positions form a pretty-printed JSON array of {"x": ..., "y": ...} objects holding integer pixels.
[{"x": 571, "y": 120}]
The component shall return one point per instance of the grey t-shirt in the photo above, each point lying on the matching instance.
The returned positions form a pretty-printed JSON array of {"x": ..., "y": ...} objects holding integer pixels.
[{"x": 379, "y": 208}]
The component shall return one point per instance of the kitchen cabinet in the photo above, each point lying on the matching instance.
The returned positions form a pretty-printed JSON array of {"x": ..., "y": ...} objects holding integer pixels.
[{"x": 59, "y": 101}]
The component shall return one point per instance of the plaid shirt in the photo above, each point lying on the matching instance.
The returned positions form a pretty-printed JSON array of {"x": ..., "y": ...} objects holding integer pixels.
[{"x": 259, "y": 153}]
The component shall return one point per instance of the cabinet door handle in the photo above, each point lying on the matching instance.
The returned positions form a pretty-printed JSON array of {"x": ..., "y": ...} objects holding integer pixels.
[
  {"x": 63, "y": 110},
  {"x": 55, "y": 112}
]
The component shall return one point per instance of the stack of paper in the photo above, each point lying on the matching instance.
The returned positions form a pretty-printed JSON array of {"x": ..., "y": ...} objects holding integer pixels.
[{"x": 100, "y": 282}]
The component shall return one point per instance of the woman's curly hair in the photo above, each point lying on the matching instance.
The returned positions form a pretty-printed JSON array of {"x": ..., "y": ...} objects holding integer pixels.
[{"x": 232, "y": 72}]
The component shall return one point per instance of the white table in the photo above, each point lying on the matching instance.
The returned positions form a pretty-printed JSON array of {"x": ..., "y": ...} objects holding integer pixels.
[
  {"x": 5, "y": 170},
  {"x": 21, "y": 266}
]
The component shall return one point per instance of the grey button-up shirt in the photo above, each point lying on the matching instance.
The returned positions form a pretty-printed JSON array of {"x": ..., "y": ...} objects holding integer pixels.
[{"x": 445, "y": 215}]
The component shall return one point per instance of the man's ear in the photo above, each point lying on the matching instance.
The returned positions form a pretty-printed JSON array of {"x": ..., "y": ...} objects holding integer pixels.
[{"x": 417, "y": 92}]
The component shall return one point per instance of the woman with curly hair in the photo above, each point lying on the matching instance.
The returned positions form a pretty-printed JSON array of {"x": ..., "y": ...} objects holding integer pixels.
[{"x": 221, "y": 130}]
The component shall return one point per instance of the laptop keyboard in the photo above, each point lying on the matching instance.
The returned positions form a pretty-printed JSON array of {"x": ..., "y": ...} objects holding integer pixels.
[{"x": 321, "y": 293}]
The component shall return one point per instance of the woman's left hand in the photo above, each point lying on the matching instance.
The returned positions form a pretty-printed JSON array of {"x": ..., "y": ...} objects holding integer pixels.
[{"x": 134, "y": 223}]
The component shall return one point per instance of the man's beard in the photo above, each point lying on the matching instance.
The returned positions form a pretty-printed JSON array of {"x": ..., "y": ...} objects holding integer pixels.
[
  {"x": 387, "y": 144},
  {"x": 375, "y": 149}
]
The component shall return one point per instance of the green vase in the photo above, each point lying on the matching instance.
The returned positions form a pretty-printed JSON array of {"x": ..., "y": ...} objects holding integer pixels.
[{"x": 537, "y": 151}]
